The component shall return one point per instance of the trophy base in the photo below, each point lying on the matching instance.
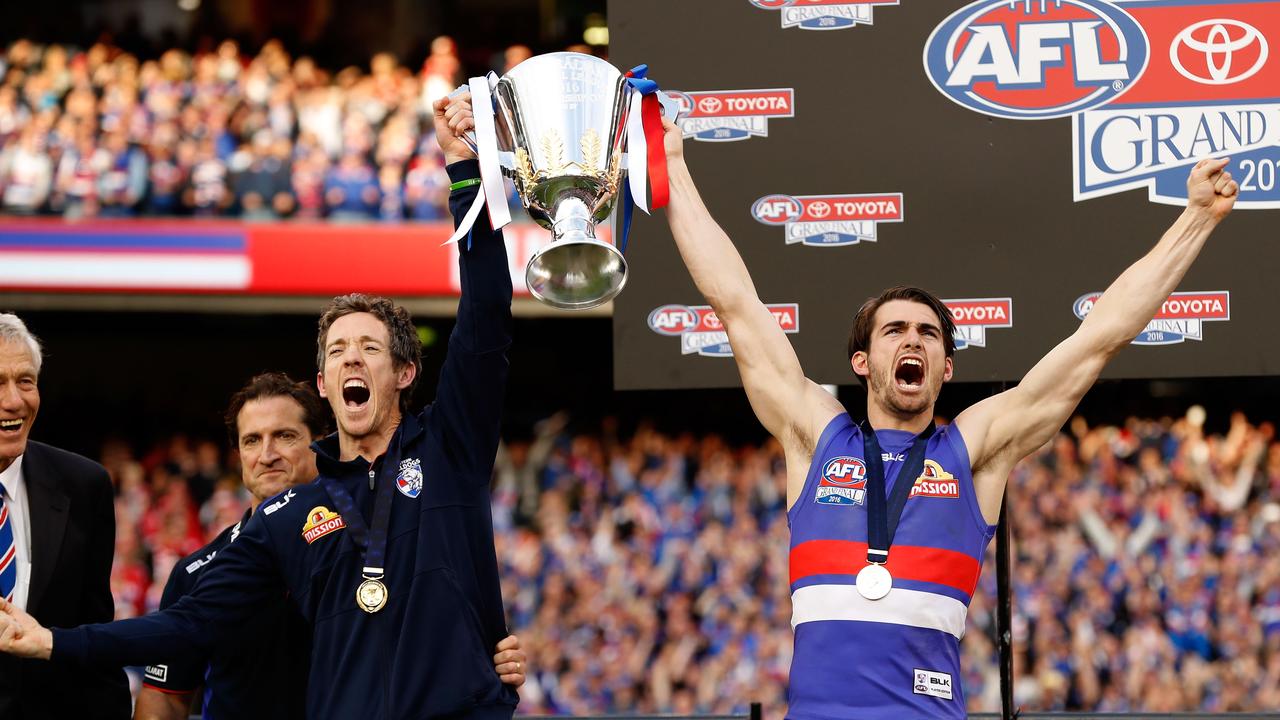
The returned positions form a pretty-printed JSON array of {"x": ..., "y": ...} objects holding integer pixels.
[{"x": 576, "y": 274}]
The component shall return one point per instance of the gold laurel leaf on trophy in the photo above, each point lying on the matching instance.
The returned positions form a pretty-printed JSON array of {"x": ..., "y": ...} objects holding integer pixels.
[
  {"x": 590, "y": 145},
  {"x": 553, "y": 152},
  {"x": 615, "y": 172},
  {"x": 524, "y": 168}
]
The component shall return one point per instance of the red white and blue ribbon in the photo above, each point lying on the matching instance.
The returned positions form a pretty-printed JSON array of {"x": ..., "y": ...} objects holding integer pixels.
[{"x": 647, "y": 184}]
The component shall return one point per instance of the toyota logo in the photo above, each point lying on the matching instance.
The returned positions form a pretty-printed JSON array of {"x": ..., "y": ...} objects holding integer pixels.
[
  {"x": 711, "y": 105},
  {"x": 819, "y": 209},
  {"x": 1226, "y": 47}
]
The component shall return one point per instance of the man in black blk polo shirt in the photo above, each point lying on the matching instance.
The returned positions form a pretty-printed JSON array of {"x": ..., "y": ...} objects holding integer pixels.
[{"x": 260, "y": 671}]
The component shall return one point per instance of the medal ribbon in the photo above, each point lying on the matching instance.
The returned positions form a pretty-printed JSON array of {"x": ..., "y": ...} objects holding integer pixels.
[
  {"x": 373, "y": 540},
  {"x": 883, "y": 513}
]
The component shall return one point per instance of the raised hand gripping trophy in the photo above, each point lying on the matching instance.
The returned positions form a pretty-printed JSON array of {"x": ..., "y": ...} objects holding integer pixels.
[{"x": 557, "y": 125}]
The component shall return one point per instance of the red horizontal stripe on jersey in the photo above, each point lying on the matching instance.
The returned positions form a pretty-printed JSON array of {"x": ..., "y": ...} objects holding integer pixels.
[{"x": 909, "y": 562}]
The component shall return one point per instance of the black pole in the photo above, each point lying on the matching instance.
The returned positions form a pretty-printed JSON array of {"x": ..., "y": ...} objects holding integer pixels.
[
  {"x": 757, "y": 711},
  {"x": 1004, "y": 603},
  {"x": 1004, "y": 610}
]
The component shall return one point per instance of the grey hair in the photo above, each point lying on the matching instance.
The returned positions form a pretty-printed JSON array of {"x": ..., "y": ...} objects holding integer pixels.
[{"x": 12, "y": 329}]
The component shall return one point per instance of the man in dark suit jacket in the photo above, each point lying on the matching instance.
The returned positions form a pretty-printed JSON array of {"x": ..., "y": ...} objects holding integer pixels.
[{"x": 58, "y": 537}]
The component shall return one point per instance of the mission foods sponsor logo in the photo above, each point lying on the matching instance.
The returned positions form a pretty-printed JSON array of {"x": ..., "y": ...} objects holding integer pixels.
[
  {"x": 973, "y": 317},
  {"x": 320, "y": 522},
  {"x": 823, "y": 14},
  {"x": 701, "y": 332},
  {"x": 726, "y": 115},
  {"x": 843, "y": 482},
  {"x": 935, "y": 482},
  {"x": 1035, "y": 59},
  {"x": 1180, "y": 318},
  {"x": 828, "y": 220},
  {"x": 1212, "y": 88}
]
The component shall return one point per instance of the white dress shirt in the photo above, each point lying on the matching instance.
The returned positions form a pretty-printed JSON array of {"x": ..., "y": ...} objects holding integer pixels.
[{"x": 15, "y": 489}]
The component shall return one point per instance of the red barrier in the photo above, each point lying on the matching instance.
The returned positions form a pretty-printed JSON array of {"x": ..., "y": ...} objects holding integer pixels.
[{"x": 283, "y": 258}]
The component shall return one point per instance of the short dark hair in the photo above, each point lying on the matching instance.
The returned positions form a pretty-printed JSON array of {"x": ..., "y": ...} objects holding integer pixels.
[
  {"x": 406, "y": 348},
  {"x": 860, "y": 335},
  {"x": 276, "y": 384}
]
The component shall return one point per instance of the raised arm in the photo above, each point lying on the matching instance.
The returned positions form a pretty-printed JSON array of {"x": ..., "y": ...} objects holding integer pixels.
[
  {"x": 1005, "y": 428},
  {"x": 473, "y": 379},
  {"x": 792, "y": 408}
]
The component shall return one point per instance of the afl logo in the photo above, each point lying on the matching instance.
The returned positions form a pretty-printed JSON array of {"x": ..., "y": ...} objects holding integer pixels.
[
  {"x": 777, "y": 209},
  {"x": 673, "y": 320},
  {"x": 845, "y": 470},
  {"x": 683, "y": 101},
  {"x": 1084, "y": 304},
  {"x": 1218, "y": 52},
  {"x": 1036, "y": 59}
]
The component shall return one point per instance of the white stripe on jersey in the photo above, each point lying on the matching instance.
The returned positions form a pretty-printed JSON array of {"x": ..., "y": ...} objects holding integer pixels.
[{"x": 899, "y": 607}]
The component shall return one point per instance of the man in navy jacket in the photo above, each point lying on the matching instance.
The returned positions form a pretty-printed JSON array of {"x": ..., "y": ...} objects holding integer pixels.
[{"x": 389, "y": 555}]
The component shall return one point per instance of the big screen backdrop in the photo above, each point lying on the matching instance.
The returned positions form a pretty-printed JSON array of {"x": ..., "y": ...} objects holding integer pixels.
[{"x": 1011, "y": 156}]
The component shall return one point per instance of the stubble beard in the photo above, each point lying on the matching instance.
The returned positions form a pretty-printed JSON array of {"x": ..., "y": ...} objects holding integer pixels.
[{"x": 883, "y": 387}]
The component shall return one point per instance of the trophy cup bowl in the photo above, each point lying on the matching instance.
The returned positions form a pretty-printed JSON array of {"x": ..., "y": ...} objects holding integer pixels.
[{"x": 562, "y": 118}]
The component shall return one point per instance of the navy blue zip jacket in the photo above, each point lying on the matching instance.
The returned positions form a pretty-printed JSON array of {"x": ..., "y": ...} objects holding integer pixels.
[{"x": 429, "y": 651}]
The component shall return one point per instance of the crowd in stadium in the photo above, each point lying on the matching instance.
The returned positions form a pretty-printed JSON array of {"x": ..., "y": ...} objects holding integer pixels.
[
  {"x": 648, "y": 572},
  {"x": 102, "y": 133}
]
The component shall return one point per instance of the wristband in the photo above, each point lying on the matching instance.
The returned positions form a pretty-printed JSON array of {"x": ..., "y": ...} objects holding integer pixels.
[{"x": 469, "y": 182}]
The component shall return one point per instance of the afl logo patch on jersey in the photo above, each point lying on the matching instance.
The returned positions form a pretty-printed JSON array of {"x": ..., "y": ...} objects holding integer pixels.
[
  {"x": 843, "y": 482},
  {"x": 320, "y": 522},
  {"x": 409, "y": 481}
]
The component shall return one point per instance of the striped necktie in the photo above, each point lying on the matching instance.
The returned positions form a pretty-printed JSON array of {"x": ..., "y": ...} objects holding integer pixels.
[{"x": 8, "y": 550}]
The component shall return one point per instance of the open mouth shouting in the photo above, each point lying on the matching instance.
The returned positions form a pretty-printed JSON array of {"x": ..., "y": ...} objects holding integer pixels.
[
  {"x": 355, "y": 394},
  {"x": 909, "y": 373}
]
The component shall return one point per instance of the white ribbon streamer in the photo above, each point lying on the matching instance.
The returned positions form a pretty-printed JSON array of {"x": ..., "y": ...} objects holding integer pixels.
[
  {"x": 469, "y": 219},
  {"x": 486, "y": 141},
  {"x": 637, "y": 154},
  {"x": 487, "y": 144}
]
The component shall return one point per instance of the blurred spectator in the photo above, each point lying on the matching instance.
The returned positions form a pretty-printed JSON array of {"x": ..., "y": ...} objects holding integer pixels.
[
  {"x": 307, "y": 180},
  {"x": 515, "y": 55},
  {"x": 208, "y": 194},
  {"x": 77, "y": 179},
  {"x": 168, "y": 176},
  {"x": 441, "y": 71},
  {"x": 350, "y": 189},
  {"x": 262, "y": 189},
  {"x": 391, "y": 207},
  {"x": 124, "y": 176},
  {"x": 26, "y": 174},
  {"x": 426, "y": 186}
]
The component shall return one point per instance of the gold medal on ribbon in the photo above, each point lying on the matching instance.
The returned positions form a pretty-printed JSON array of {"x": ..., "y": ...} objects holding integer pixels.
[{"x": 371, "y": 596}]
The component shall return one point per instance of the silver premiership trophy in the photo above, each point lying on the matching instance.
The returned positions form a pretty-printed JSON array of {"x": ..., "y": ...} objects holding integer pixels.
[
  {"x": 564, "y": 117},
  {"x": 560, "y": 123}
]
